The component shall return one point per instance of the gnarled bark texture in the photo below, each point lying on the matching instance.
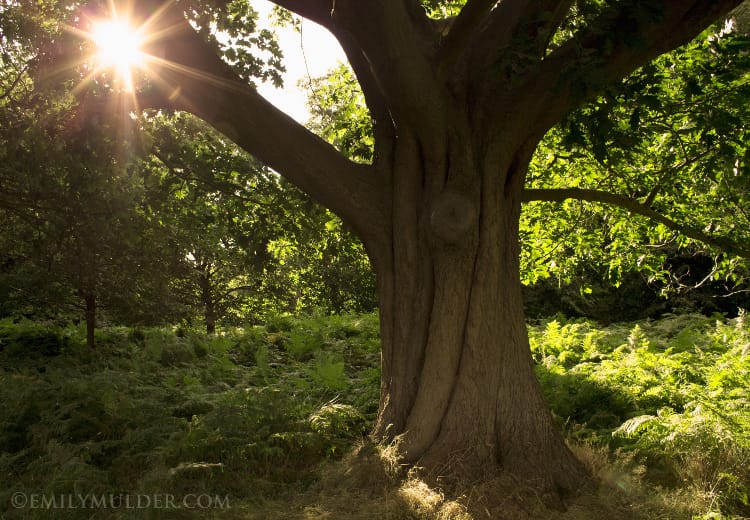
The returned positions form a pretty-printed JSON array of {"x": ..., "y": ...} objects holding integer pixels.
[
  {"x": 458, "y": 385},
  {"x": 457, "y": 114}
]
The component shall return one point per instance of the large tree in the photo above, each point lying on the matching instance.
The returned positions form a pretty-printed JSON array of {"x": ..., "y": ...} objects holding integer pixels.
[{"x": 458, "y": 106}]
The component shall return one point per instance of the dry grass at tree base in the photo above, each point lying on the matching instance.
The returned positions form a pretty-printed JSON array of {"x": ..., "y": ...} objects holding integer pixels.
[{"x": 369, "y": 484}]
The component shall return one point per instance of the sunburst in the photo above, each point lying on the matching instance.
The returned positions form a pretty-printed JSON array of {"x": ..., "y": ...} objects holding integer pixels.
[
  {"x": 122, "y": 44},
  {"x": 118, "y": 48}
]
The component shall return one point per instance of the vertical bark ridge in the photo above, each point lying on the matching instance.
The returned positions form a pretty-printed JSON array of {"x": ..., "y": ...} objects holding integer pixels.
[
  {"x": 437, "y": 378},
  {"x": 408, "y": 293},
  {"x": 466, "y": 443}
]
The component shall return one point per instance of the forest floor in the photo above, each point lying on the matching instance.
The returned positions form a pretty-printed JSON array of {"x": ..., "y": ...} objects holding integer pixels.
[{"x": 269, "y": 422}]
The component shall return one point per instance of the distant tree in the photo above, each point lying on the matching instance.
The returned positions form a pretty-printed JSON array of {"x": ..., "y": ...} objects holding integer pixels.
[
  {"x": 219, "y": 208},
  {"x": 73, "y": 203}
]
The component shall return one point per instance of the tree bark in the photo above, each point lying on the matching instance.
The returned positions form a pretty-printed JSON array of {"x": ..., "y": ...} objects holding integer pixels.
[
  {"x": 207, "y": 301},
  {"x": 458, "y": 391}
]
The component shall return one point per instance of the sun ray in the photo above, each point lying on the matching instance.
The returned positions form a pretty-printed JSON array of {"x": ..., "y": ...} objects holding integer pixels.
[
  {"x": 124, "y": 48},
  {"x": 116, "y": 48},
  {"x": 217, "y": 81}
]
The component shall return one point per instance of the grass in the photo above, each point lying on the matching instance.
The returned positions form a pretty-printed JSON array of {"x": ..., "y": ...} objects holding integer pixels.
[{"x": 269, "y": 422}]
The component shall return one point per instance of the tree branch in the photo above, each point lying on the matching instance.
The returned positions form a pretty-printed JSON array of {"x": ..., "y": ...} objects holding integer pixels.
[
  {"x": 188, "y": 75},
  {"x": 400, "y": 53},
  {"x": 559, "y": 195},
  {"x": 391, "y": 37},
  {"x": 15, "y": 83},
  {"x": 528, "y": 22},
  {"x": 462, "y": 31},
  {"x": 321, "y": 13},
  {"x": 619, "y": 41},
  {"x": 236, "y": 289},
  {"x": 516, "y": 31}
]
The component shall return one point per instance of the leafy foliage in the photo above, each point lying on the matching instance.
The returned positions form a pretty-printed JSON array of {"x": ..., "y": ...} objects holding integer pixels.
[
  {"x": 339, "y": 113},
  {"x": 254, "y": 54},
  {"x": 672, "y": 394},
  {"x": 672, "y": 136},
  {"x": 252, "y": 413}
]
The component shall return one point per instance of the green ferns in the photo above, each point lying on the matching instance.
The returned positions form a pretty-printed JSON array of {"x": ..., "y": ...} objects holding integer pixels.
[
  {"x": 254, "y": 413},
  {"x": 151, "y": 411},
  {"x": 672, "y": 394}
]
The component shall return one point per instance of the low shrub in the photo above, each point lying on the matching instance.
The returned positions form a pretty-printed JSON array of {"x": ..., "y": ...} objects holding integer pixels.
[{"x": 28, "y": 339}]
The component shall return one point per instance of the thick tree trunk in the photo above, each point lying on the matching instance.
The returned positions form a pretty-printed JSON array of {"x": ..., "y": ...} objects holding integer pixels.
[{"x": 458, "y": 390}]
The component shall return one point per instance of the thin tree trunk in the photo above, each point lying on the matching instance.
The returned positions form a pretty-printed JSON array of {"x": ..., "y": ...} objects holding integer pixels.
[
  {"x": 207, "y": 300},
  {"x": 90, "y": 312}
]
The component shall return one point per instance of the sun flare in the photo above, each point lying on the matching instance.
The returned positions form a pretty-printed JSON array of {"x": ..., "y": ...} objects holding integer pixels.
[{"x": 118, "y": 48}]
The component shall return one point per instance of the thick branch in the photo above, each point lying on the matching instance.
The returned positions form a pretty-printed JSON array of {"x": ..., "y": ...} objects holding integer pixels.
[
  {"x": 529, "y": 22},
  {"x": 418, "y": 16},
  {"x": 400, "y": 53},
  {"x": 462, "y": 31},
  {"x": 511, "y": 40},
  {"x": 321, "y": 12},
  {"x": 517, "y": 31},
  {"x": 383, "y": 124},
  {"x": 622, "y": 39},
  {"x": 391, "y": 47},
  {"x": 189, "y": 76},
  {"x": 559, "y": 195}
]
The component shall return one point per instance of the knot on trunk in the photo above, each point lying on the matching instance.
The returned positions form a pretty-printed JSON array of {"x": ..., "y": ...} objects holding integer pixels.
[{"x": 453, "y": 215}]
